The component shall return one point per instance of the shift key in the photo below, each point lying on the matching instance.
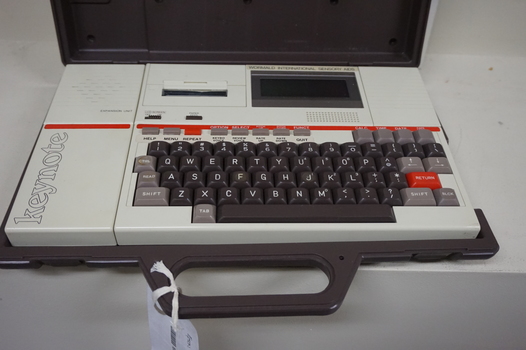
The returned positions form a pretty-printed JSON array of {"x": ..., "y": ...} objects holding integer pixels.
[{"x": 151, "y": 196}]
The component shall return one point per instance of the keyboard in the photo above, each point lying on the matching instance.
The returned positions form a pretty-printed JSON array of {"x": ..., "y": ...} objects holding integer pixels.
[
  {"x": 171, "y": 161},
  {"x": 382, "y": 169},
  {"x": 261, "y": 181}
]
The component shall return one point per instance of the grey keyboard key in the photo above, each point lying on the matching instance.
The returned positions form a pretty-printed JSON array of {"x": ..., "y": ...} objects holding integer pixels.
[
  {"x": 446, "y": 197},
  {"x": 363, "y": 136},
  {"x": 408, "y": 165},
  {"x": 281, "y": 132},
  {"x": 382, "y": 136},
  {"x": 418, "y": 197},
  {"x": 145, "y": 163},
  {"x": 302, "y": 132},
  {"x": 149, "y": 196},
  {"x": 424, "y": 136},
  {"x": 218, "y": 131},
  {"x": 260, "y": 132},
  {"x": 439, "y": 165},
  {"x": 172, "y": 131},
  {"x": 151, "y": 131},
  {"x": 309, "y": 213},
  {"x": 204, "y": 214},
  {"x": 403, "y": 136},
  {"x": 240, "y": 132},
  {"x": 148, "y": 179}
]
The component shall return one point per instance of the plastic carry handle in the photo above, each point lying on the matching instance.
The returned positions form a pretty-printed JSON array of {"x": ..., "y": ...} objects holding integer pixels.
[{"x": 340, "y": 268}]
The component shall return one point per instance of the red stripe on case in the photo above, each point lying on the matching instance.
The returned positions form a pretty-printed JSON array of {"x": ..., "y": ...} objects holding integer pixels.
[
  {"x": 87, "y": 126},
  {"x": 290, "y": 127}
]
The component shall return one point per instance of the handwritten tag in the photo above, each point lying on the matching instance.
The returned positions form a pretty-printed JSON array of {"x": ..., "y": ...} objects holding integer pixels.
[{"x": 163, "y": 336}]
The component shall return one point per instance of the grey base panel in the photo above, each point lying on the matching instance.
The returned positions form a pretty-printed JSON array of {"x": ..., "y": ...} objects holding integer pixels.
[{"x": 338, "y": 261}]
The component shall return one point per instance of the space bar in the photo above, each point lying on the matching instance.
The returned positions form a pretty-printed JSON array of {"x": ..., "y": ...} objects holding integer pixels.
[{"x": 337, "y": 213}]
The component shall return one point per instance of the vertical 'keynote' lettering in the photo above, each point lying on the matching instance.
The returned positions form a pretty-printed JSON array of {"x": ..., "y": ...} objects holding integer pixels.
[{"x": 36, "y": 204}]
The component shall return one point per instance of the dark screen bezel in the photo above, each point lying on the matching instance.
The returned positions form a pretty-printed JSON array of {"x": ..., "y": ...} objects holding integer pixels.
[{"x": 353, "y": 100}]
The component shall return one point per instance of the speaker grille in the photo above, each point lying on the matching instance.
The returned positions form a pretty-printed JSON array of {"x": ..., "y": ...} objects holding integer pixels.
[
  {"x": 333, "y": 117},
  {"x": 97, "y": 88}
]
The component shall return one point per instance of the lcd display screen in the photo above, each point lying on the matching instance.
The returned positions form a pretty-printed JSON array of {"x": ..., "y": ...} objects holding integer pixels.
[{"x": 304, "y": 88}]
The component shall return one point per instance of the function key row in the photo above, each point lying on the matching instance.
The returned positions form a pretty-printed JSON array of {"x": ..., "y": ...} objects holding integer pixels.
[
  {"x": 225, "y": 131},
  {"x": 401, "y": 136},
  {"x": 361, "y": 136},
  {"x": 291, "y": 149}
]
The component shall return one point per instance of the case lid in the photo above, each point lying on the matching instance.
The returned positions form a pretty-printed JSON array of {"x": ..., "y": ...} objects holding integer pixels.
[{"x": 311, "y": 32}]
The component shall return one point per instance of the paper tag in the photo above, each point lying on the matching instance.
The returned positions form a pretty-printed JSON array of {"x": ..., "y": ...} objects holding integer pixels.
[
  {"x": 162, "y": 334},
  {"x": 169, "y": 333}
]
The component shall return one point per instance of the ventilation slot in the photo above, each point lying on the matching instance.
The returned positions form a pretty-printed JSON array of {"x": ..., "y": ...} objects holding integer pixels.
[{"x": 332, "y": 117}]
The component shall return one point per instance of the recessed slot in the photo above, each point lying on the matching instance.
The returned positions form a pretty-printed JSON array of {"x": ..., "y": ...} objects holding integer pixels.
[
  {"x": 251, "y": 281},
  {"x": 195, "y": 88},
  {"x": 193, "y": 93},
  {"x": 194, "y": 117}
]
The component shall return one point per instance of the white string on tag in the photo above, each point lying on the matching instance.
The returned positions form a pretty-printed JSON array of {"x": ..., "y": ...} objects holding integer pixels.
[{"x": 161, "y": 268}]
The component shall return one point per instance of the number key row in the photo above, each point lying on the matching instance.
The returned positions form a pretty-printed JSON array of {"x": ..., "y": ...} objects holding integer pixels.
[{"x": 291, "y": 149}]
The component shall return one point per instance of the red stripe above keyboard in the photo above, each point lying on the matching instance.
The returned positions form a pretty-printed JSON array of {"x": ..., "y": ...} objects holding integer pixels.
[
  {"x": 87, "y": 126},
  {"x": 290, "y": 127}
]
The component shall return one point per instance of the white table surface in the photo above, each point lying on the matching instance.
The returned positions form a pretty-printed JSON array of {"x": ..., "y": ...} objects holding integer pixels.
[{"x": 481, "y": 100}]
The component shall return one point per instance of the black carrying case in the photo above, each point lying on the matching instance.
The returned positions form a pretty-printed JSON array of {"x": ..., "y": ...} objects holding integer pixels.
[{"x": 298, "y": 32}]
